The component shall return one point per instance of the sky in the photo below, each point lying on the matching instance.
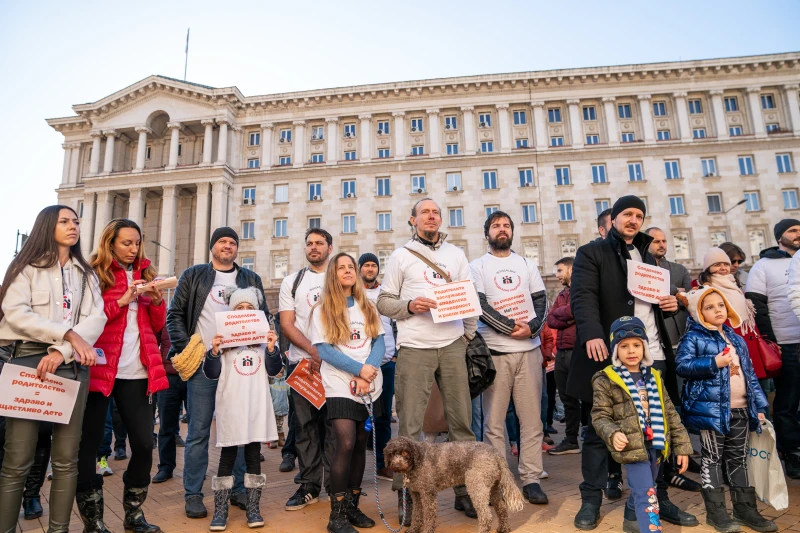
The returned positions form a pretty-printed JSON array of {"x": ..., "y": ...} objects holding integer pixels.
[{"x": 54, "y": 55}]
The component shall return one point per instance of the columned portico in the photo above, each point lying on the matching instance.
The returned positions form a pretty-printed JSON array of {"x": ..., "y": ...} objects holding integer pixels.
[
  {"x": 136, "y": 206},
  {"x": 219, "y": 205},
  {"x": 174, "y": 143},
  {"x": 719, "y": 114},
  {"x": 575, "y": 123},
  {"x": 433, "y": 123},
  {"x": 794, "y": 108},
  {"x": 683, "y": 116},
  {"x": 105, "y": 206},
  {"x": 201, "y": 224},
  {"x": 87, "y": 224},
  {"x": 94, "y": 162},
  {"x": 757, "y": 120},
  {"x": 166, "y": 252},
  {"x": 299, "y": 143},
  {"x": 366, "y": 133}
]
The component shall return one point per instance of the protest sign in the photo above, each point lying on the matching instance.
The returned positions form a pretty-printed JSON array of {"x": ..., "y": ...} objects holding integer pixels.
[
  {"x": 516, "y": 306},
  {"x": 647, "y": 282},
  {"x": 308, "y": 384},
  {"x": 241, "y": 328},
  {"x": 24, "y": 395},
  {"x": 454, "y": 301},
  {"x": 158, "y": 284}
]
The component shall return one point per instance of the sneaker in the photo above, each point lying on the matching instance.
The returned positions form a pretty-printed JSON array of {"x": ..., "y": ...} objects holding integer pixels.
[
  {"x": 103, "y": 468},
  {"x": 179, "y": 442},
  {"x": 287, "y": 465},
  {"x": 547, "y": 447},
  {"x": 386, "y": 473},
  {"x": 684, "y": 483},
  {"x": 613, "y": 488},
  {"x": 119, "y": 454},
  {"x": 301, "y": 499},
  {"x": 534, "y": 494},
  {"x": 544, "y": 475},
  {"x": 551, "y": 430},
  {"x": 565, "y": 447},
  {"x": 195, "y": 508}
]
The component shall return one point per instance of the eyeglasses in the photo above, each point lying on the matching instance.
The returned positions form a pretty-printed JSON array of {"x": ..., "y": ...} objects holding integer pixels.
[{"x": 635, "y": 332}]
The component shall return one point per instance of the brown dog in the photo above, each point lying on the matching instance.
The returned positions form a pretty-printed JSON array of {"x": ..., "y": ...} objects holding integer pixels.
[{"x": 429, "y": 468}]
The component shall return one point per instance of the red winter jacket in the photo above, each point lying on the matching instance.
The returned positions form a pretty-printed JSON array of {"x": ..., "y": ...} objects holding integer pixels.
[
  {"x": 560, "y": 318},
  {"x": 151, "y": 318}
]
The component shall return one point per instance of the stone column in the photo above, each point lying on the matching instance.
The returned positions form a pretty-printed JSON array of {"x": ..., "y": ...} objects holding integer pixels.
[
  {"x": 94, "y": 162},
  {"x": 87, "y": 224},
  {"x": 174, "y": 141},
  {"x": 74, "y": 161},
  {"x": 470, "y": 138},
  {"x": 299, "y": 143},
  {"x": 505, "y": 127},
  {"x": 647, "y": 118},
  {"x": 266, "y": 146},
  {"x": 219, "y": 205},
  {"x": 683, "y": 116},
  {"x": 208, "y": 141},
  {"x": 136, "y": 206},
  {"x": 201, "y": 224},
  {"x": 333, "y": 140},
  {"x": 794, "y": 108},
  {"x": 141, "y": 148},
  {"x": 610, "y": 112},
  {"x": 719, "y": 115},
  {"x": 575, "y": 124},
  {"x": 399, "y": 134},
  {"x": 105, "y": 206},
  {"x": 166, "y": 252},
  {"x": 539, "y": 125},
  {"x": 222, "y": 148},
  {"x": 65, "y": 169},
  {"x": 754, "y": 101},
  {"x": 435, "y": 149},
  {"x": 108, "y": 162},
  {"x": 365, "y": 132}
]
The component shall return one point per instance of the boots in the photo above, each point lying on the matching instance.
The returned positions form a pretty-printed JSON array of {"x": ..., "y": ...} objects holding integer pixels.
[
  {"x": 222, "y": 487},
  {"x": 340, "y": 502},
  {"x": 745, "y": 510},
  {"x": 354, "y": 514},
  {"x": 132, "y": 501},
  {"x": 253, "y": 484},
  {"x": 90, "y": 509},
  {"x": 716, "y": 514},
  {"x": 670, "y": 513},
  {"x": 33, "y": 483},
  {"x": 630, "y": 523}
]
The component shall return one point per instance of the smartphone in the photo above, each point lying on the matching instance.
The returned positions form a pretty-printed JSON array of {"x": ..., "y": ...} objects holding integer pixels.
[
  {"x": 101, "y": 356},
  {"x": 353, "y": 387}
]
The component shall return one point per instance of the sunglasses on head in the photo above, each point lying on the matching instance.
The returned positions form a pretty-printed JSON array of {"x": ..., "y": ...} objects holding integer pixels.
[{"x": 635, "y": 332}]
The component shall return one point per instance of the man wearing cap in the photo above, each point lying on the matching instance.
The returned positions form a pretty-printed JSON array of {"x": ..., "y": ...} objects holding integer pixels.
[
  {"x": 199, "y": 296},
  {"x": 599, "y": 296},
  {"x": 768, "y": 288},
  {"x": 369, "y": 268}
]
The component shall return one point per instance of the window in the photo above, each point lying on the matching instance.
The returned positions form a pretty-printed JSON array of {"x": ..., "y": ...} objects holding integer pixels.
[
  {"x": 456, "y": 217},
  {"x": 485, "y": 120},
  {"x": 286, "y": 136},
  {"x": 418, "y": 150},
  {"x": 589, "y": 112},
  {"x": 314, "y": 222},
  {"x": 416, "y": 124},
  {"x": 281, "y": 194},
  {"x": 718, "y": 237},
  {"x": 673, "y": 170},
  {"x": 554, "y": 115},
  {"x": 569, "y": 247},
  {"x": 487, "y": 147},
  {"x": 147, "y": 153},
  {"x": 255, "y": 139},
  {"x": 180, "y": 149},
  {"x": 714, "y": 203},
  {"x": 80, "y": 209},
  {"x": 315, "y": 191},
  {"x": 451, "y": 122},
  {"x": 771, "y": 128},
  {"x": 454, "y": 181},
  {"x": 758, "y": 241},
  {"x": 253, "y": 163},
  {"x": 280, "y": 266},
  {"x": 751, "y": 201},
  {"x": 660, "y": 109},
  {"x": 565, "y": 211},
  {"x": 384, "y": 187},
  {"x": 635, "y": 172},
  {"x": 520, "y": 118},
  {"x": 490, "y": 179},
  {"x": 280, "y": 227},
  {"x": 735, "y": 131},
  {"x": 350, "y": 155},
  {"x": 384, "y": 222},
  {"x": 348, "y": 224},
  {"x": 317, "y": 133},
  {"x": 249, "y": 196},
  {"x": 699, "y": 133},
  {"x": 562, "y": 176},
  {"x": 383, "y": 127},
  {"x": 489, "y": 209},
  {"x": 592, "y": 139},
  {"x": 767, "y": 101},
  {"x": 384, "y": 153},
  {"x": 676, "y": 205},
  {"x": 731, "y": 104},
  {"x": 624, "y": 110},
  {"x": 601, "y": 205},
  {"x": 531, "y": 251},
  {"x": 628, "y": 138},
  {"x": 349, "y": 189},
  {"x": 746, "y": 167},
  {"x": 317, "y": 158},
  {"x": 350, "y": 130},
  {"x": 383, "y": 257},
  {"x": 680, "y": 243},
  {"x": 522, "y": 143},
  {"x": 599, "y": 174},
  {"x": 284, "y": 160},
  {"x": 452, "y": 149},
  {"x": 248, "y": 230},
  {"x": 663, "y": 135},
  {"x": 695, "y": 107},
  {"x": 526, "y": 177},
  {"x": 249, "y": 263},
  {"x": 709, "y": 167},
  {"x": 784, "y": 163},
  {"x": 528, "y": 213},
  {"x": 556, "y": 141},
  {"x": 789, "y": 198},
  {"x": 418, "y": 184}
]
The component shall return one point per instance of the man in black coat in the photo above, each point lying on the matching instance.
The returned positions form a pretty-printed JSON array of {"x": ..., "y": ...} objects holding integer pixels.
[{"x": 600, "y": 296}]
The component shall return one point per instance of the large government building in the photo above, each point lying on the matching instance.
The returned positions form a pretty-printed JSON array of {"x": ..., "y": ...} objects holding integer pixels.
[{"x": 551, "y": 148}]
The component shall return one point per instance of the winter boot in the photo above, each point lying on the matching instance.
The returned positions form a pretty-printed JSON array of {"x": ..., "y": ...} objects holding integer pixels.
[
  {"x": 132, "y": 501},
  {"x": 745, "y": 511},
  {"x": 716, "y": 514},
  {"x": 670, "y": 513},
  {"x": 90, "y": 509},
  {"x": 31, "y": 503},
  {"x": 630, "y": 523},
  {"x": 253, "y": 484},
  {"x": 222, "y": 487},
  {"x": 338, "y": 520},
  {"x": 354, "y": 514}
]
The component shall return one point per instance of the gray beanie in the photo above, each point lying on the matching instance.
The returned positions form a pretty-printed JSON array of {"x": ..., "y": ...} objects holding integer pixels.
[{"x": 250, "y": 295}]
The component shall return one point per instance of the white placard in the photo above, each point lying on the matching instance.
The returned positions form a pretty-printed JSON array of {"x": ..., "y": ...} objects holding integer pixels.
[
  {"x": 454, "y": 301},
  {"x": 647, "y": 282},
  {"x": 24, "y": 395},
  {"x": 242, "y": 328},
  {"x": 516, "y": 306}
]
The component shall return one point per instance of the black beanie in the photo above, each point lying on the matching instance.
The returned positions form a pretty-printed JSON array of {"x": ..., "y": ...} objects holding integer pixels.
[
  {"x": 625, "y": 202},
  {"x": 783, "y": 225},
  {"x": 368, "y": 257},
  {"x": 223, "y": 232}
]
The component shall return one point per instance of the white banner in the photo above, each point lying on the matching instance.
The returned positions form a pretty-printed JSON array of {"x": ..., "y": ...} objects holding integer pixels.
[
  {"x": 454, "y": 301},
  {"x": 242, "y": 328},
  {"x": 647, "y": 282},
  {"x": 24, "y": 395}
]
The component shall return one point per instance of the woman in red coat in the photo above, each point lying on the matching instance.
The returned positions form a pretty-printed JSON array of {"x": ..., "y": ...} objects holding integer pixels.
[{"x": 132, "y": 374}]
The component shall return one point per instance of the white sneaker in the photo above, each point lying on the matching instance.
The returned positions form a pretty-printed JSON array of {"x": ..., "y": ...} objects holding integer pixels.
[
  {"x": 103, "y": 468},
  {"x": 544, "y": 475}
]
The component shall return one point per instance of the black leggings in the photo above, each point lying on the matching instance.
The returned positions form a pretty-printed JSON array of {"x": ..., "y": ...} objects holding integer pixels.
[
  {"x": 349, "y": 456},
  {"x": 730, "y": 449},
  {"x": 252, "y": 458}
]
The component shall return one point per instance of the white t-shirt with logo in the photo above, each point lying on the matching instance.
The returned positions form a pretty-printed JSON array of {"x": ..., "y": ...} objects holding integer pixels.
[
  {"x": 501, "y": 279},
  {"x": 644, "y": 312},
  {"x": 388, "y": 334},
  {"x": 358, "y": 347},
  {"x": 215, "y": 302},
  {"x": 308, "y": 294},
  {"x": 130, "y": 362}
]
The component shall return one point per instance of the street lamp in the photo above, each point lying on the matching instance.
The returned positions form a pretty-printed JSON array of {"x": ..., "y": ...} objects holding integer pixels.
[
  {"x": 727, "y": 229},
  {"x": 17, "y": 245}
]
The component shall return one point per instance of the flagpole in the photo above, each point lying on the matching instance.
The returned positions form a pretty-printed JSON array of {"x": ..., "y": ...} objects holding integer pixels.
[{"x": 186, "y": 63}]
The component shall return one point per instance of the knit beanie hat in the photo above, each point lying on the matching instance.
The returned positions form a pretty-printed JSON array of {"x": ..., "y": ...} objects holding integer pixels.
[
  {"x": 713, "y": 256},
  {"x": 693, "y": 301},
  {"x": 368, "y": 258},
  {"x": 223, "y": 232},
  {"x": 783, "y": 225},
  {"x": 625, "y": 202},
  {"x": 627, "y": 327},
  {"x": 249, "y": 295}
]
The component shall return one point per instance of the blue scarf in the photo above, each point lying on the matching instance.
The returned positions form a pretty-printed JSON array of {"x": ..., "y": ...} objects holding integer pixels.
[{"x": 656, "y": 422}]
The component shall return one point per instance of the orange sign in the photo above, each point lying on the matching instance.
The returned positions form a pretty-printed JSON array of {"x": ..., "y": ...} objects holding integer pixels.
[{"x": 307, "y": 383}]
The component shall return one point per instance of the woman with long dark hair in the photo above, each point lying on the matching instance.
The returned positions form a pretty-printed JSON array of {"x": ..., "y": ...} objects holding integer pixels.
[
  {"x": 132, "y": 374},
  {"x": 51, "y": 311}
]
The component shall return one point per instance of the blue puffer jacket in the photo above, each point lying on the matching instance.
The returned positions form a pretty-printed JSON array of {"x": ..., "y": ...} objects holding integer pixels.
[{"x": 706, "y": 402}]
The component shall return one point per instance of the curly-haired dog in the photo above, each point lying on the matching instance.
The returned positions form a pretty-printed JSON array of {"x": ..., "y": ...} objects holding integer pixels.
[{"x": 429, "y": 468}]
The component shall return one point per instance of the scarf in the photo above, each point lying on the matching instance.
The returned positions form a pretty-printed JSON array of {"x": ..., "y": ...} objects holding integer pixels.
[
  {"x": 654, "y": 401},
  {"x": 743, "y": 307}
]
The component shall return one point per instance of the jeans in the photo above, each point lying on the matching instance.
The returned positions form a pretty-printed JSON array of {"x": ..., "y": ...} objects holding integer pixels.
[
  {"x": 105, "y": 447},
  {"x": 201, "y": 394},
  {"x": 572, "y": 407},
  {"x": 787, "y": 398},
  {"x": 291, "y": 436},
  {"x": 383, "y": 423},
  {"x": 169, "y": 403},
  {"x": 643, "y": 499},
  {"x": 477, "y": 418}
]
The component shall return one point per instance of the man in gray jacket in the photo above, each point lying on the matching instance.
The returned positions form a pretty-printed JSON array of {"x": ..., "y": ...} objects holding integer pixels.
[{"x": 679, "y": 281}]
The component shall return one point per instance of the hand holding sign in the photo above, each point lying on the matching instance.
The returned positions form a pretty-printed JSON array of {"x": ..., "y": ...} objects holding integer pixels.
[
  {"x": 242, "y": 328},
  {"x": 454, "y": 301},
  {"x": 24, "y": 395},
  {"x": 648, "y": 283}
]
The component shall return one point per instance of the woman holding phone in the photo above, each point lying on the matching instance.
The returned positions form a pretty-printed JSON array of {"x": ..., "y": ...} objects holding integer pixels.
[
  {"x": 51, "y": 311},
  {"x": 133, "y": 372}
]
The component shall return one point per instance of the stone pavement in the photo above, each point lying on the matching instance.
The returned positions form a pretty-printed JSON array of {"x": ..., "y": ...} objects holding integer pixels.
[{"x": 165, "y": 504}]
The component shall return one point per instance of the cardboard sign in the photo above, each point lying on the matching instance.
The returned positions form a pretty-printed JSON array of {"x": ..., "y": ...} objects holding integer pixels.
[
  {"x": 308, "y": 384},
  {"x": 454, "y": 301},
  {"x": 24, "y": 395},
  {"x": 159, "y": 284},
  {"x": 241, "y": 328},
  {"x": 516, "y": 306},
  {"x": 647, "y": 282}
]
